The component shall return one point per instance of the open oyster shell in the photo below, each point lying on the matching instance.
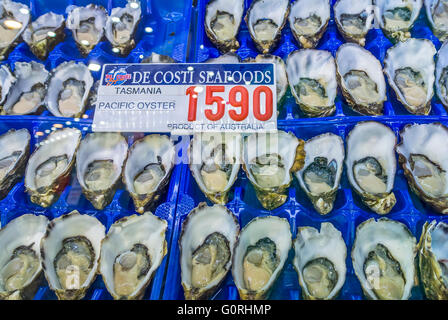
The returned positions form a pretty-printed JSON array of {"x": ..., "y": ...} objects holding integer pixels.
[
  {"x": 206, "y": 247},
  {"x": 14, "y": 18},
  {"x": 131, "y": 253},
  {"x": 432, "y": 259},
  {"x": 312, "y": 79},
  {"x": 99, "y": 162},
  {"x": 321, "y": 173},
  {"x": 383, "y": 257},
  {"x": 148, "y": 169},
  {"x": 70, "y": 252},
  {"x": 68, "y": 89},
  {"x": 215, "y": 160},
  {"x": 269, "y": 160},
  {"x": 43, "y": 34},
  {"x": 265, "y": 20},
  {"x": 396, "y": 17},
  {"x": 437, "y": 14},
  {"x": 308, "y": 21},
  {"x": 229, "y": 57},
  {"x": 320, "y": 261},
  {"x": 158, "y": 58},
  {"x": 354, "y": 19},
  {"x": 442, "y": 75},
  {"x": 27, "y": 95},
  {"x": 121, "y": 26},
  {"x": 20, "y": 262},
  {"x": 49, "y": 167},
  {"x": 371, "y": 164},
  {"x": 7, "y": 80},
  {"x": 409, "y": 67},
  {"x": 14, "y": 152},
  {"x": 422, "y": 153},
  {"x": 267, "y": 239},
  {"x": 87, "y": 25},
  {"x": 361, "y": 79},
  {"x": 222, "y": 23}
]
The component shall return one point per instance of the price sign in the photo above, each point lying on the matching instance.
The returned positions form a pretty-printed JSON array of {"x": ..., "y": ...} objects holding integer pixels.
[{"x": 187, "y": 98}]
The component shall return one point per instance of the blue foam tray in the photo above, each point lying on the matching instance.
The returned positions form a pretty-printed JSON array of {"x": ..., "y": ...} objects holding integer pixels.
[{"x": 17, "y": 202}]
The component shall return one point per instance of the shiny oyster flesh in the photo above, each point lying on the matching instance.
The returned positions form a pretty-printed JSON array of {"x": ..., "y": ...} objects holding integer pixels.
[
  {"x": 28, "y": 94},
  {"x": 87, "y": 25},
  {"x": 269, "y": 159},
  {"x": 44, "y": 34},
  {"x": 320, "y": 261},
  {"x": 433, "y": 260},
  {"x": 99, "y": 162},
  {"x": 148, "y": 169},
  {"x": 69, "y": 89},
  {"x": 442, "y": 75},
  {"x": 49, "y": 167},
  {"x": 7, "y": 80},
  {"x": 215, "y": 160},
  {"x": 312, "y": 79},
  {"x": 354, "y": 19},
  {"x": 371, "y": 164},
  {"x": 383, "y": 257},
  {"x": 260, "y": 254},
  {"x": 396, "y": 17},
  {"x": 158, "y": 58},
  {"x": 229, "y": 57},
  {"x": 265, "y": 20},
  {"x": 409, "y": 67},
  {"x": 437, "y": 14},
  {"x": 222, "y": 23},
  {"x": 70, "y": 252},
  {"x": 321, "y": 174},
  {"x": 132, "y": 251},
  {"x": 20, "y": 263},
  {"x": 308, "y": 21},
  {"x": 14, "y": 18},
  {"x": 14, "y": 152},
  {"x": 206, "y": 248},
  {"x": 423, "y": 156},
  {"x": 361, "y": 79},
  {"x": 121, "y": 26}
]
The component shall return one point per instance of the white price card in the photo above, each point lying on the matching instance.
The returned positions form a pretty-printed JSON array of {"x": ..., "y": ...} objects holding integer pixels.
[{"x": 186, "y": 98}]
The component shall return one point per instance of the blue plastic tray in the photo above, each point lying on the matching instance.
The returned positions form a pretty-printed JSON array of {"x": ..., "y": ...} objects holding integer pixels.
[
  {"x": 17, "y": 203},
  {"x": 348, "y": 213}
]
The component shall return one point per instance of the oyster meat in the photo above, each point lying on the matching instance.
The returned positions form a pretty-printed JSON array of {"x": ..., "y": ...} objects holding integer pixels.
[
  {"x": 265, "y": 20},
  {"x": 131, "y": 252},
  {"x": 308, "y": 21},
  {"x": 371, "y": 164},
  {"x": 321, "y": 174},
  {"x": 28, "y": 94},
  {"x": 148, "y": 169},
  {"x": 312, "y": 79},
  {"x": 99, "y": 162},
  {"x": 260, "y": 254},
  {"x": 87, "y": 25},
  {"x": 423, "y": 156},
  {"x": 206, "y": 246},
  {"x": 49, "y": 167},
  {"x": 354, "y": 19},
  {"x": 409, "y": 67},
  {"x": 396, "y": 17},
  {"x": 442, "y": 75},
  {"x": 70, "y": 252},
  {"x": 215, "y": 160},
  {"x": 222, "y": 23},
  {"x": 7, "y": 80},
  {"x": 121, "y": 26},
  {"x": 320, "y": 261},
  {"x": 269, "y": 159},
  {"x": 43, "y": 34},
  {"x": 20, "y": 262},
  {"x": 361, "y": 79},
  {"x": 69, "y": 89},
  {"x": 14, "y": 152},
  {"x": 158, "y": 58},
  {"x": 14, "y": 18},
  {"x": 437, "y": 14},
  {"x": 383, "y": 257}
]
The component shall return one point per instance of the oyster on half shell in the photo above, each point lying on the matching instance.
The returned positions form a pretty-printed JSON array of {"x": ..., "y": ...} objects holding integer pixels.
[
  {"x": 14, "y": 18},
  {"x": 437, "y": 14},
  {"x": 7, "y": 80},
  {"x": 157, "y": 58},
  {"x": 229, "y": 57},
  {"x": 442, "y": 75}
]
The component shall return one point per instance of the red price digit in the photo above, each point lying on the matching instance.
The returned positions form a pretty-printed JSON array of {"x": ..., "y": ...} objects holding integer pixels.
[
  {"x": 210, "y": 99},
  {"x": 193, "y": 104},
  {"x": 269, "y": 102},
  {"x": 242, "y": 103}
]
